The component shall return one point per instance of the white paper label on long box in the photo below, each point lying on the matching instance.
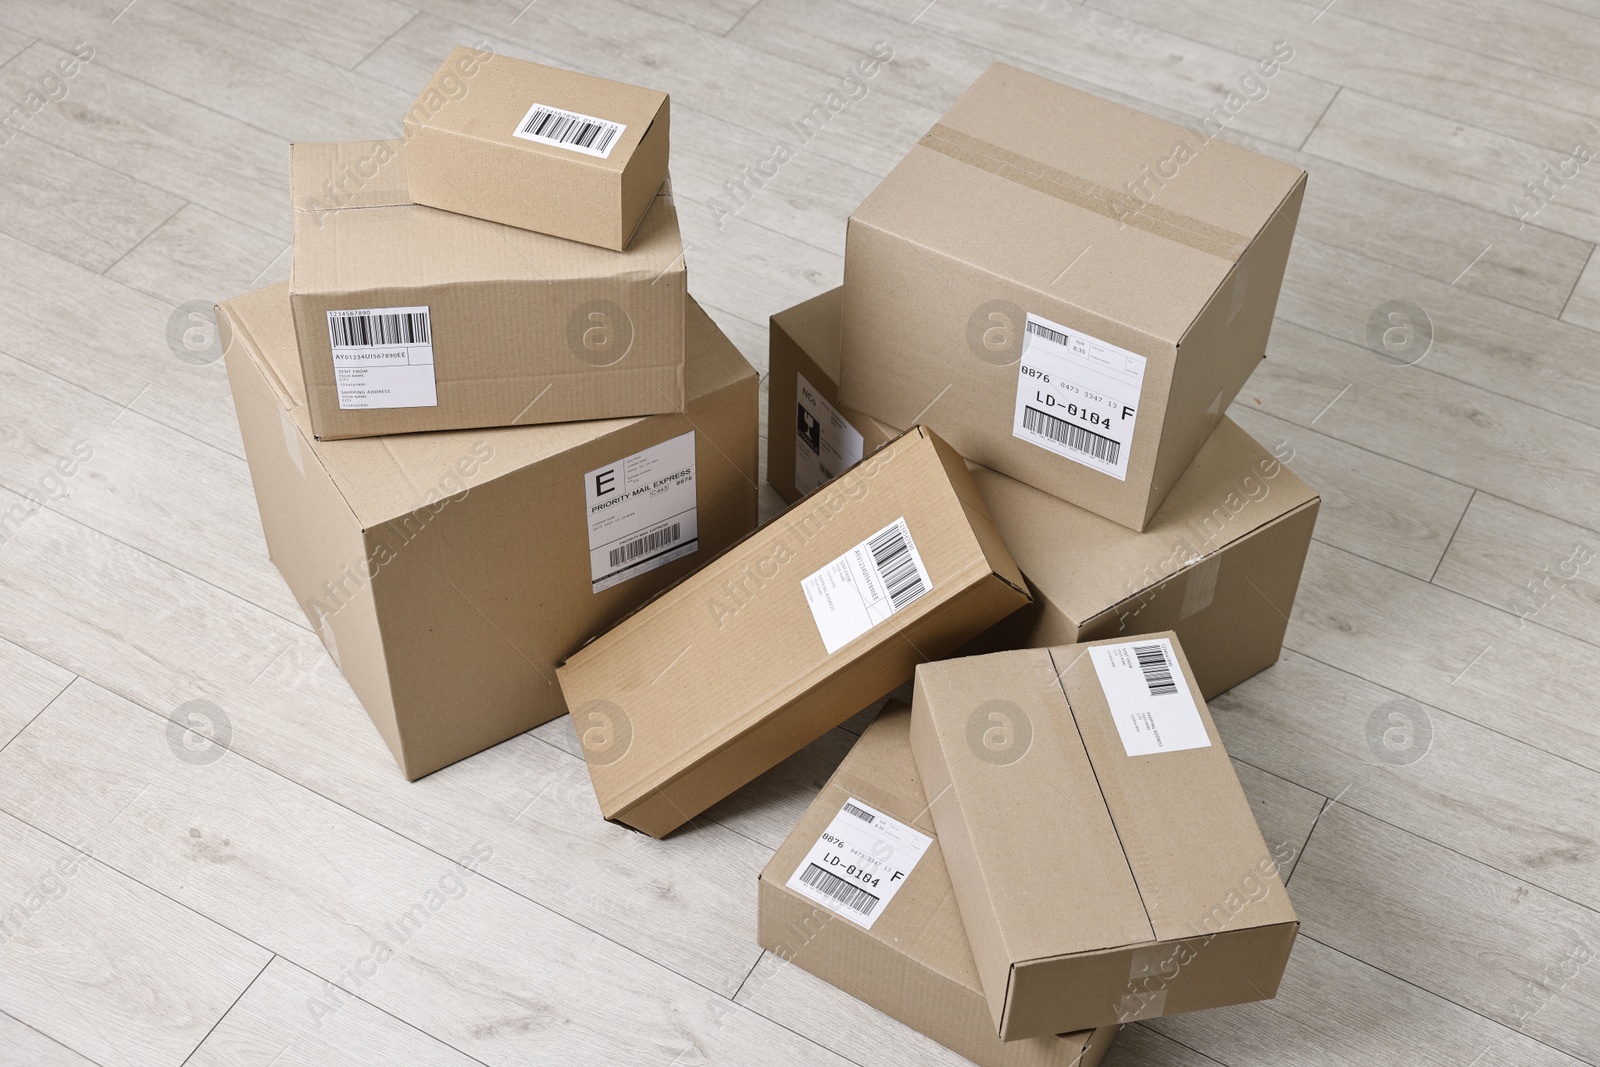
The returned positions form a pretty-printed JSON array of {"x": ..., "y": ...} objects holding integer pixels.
[
  {"x": 383, "y": 358},
  {"x": 859, "y": 863},
  {"x": 560, "y": 128},
  {"x": 1149, "y": 698},
  {"x": 866, "y": 585},
  {"x": 643, "y": 512},
  {"x": 825, "y": 442},
  {"x": 1077, "y": 396}
]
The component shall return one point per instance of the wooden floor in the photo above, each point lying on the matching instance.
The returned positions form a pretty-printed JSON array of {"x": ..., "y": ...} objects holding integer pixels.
[{"x": 163, "y": 906}]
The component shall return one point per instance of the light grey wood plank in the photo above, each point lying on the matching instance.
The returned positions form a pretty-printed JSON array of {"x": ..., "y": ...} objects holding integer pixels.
[
  {"x": 1479, "y": 938},
  {"x": 712, "y": 16},
  {"x": 23, "y": 1046},
  {"x": 271, "y": 1024},
  {"x": 342, "y": 32},
  {"x": 198, "y": 254},
  {"x": 1583, "y": 304},
  {"x": 31, "y": 683},
  {"x": 1139, "y": 1045},
  {"x": 12, "y": 43},
  {"x": 1529, "y": 564},
  {"x": 104, "y": 965},
  {"x": 476, "y": 966}
]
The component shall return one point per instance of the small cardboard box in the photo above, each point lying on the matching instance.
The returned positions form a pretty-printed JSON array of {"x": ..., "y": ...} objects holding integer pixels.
[
  {"x": 787, "y": 634},
  {"x": 1104, "y": 857},
  {"x": 1070, "y": 291},
  {"x": 448, "y": 574},
  {"x": 895, "y": 942},
  {"x": 410, "y": 318},
  {"x": 537, "y": 147},
  {"x": 1219, "y": 562}
]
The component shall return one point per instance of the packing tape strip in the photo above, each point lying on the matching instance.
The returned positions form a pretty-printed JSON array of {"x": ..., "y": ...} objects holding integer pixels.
[
  {"x": 1091, "y": 196},
  {"x": 1200, "y": 587},
  {"x": 1135, "y": 1006}
]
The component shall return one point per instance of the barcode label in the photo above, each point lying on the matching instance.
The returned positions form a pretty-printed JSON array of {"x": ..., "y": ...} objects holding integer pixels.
[
  {"x": 643, "y": 546},
  {"x": 1077, "y": 396},
  {"x": 643, "y": 512},
  {"x": 880, "y": 576},
  {"x": 383, "y": 357},
  {"x": 568, "y": 129},
  {"x": 1149, "y": 697},
  {"x": 825, "y": 443},
  {"x": 1071, "y": 436},
  {"x": 859, "y": 862}
]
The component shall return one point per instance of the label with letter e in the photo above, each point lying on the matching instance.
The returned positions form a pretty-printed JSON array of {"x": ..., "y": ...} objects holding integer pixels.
[
  {"x": 1149, "y": 697},
  {"x": 866, "y": 585},
  {"x": 643, "y": 512},
  {"x": 1077, "y": 396},
  {"x": 859, "y": 863},
  {"x": 383, "y": 358}
]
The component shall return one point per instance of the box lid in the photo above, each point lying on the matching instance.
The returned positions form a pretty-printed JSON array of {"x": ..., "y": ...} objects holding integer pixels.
[
  {"x": 1024, "y": 177},
  {"x": 386, "y": 477}
]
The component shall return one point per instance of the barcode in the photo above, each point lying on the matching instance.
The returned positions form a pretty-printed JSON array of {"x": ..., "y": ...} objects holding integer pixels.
[
  {"x": 1157, "y": 671},
  {"x": 1071, "y": 435},
  {"x": 853, "y": 897},
  {"x": 1044, "y": 331},
  {"x": 368, "y": 329},
  {"x": 891, "y": 554},
  {"x": 569, "y": 129},
  {"x": 860, "y": 813},
  {"x": 643, "y": 546}
]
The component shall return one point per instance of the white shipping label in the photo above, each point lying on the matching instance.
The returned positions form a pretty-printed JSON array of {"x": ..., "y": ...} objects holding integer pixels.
[
  {"x": 1077, "y": 396},
  {"x": 383, "y": 358},
  {"x": 825, "y": 444},
  {"x": 866, "y": 585},
  {"x": 568, "y": 129},
  {"x": 1149, "y": 697},
  {"x": 643, "y": 512},
  {"x": 859, "y": 863}
]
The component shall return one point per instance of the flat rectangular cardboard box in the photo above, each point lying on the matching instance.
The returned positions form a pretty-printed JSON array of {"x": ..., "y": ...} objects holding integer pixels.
[
  {"x": 445, "y": 322},
  {"x": 1219, "y": 562},
  {"x": 912, "y": 962},
  {"x": 787, "y": 634},
  {"x": 1070, "y": 291},
  {"x": 537, "y": 147},
  {"x": 447, "y": 574},
  {"x": 1105, "y": 860}
]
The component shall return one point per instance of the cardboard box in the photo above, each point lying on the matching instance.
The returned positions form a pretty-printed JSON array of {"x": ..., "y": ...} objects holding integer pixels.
[
  {"x": 897, "y": 943},
  {"x": 448, "y": 322},
  {"x": 1085, "y": 329},
  {"x": 537, "y": 147},
  {"x": 1219, "y": 562},
  {"x": 787, "y": 634},
  {"x": 1105, "y": 861},
  {"x": 448, "y": 574}
]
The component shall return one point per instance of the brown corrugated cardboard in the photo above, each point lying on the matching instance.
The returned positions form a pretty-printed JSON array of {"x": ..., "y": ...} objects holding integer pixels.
[
  {"x": 1069, "y": 290},
  {"x": 1219, "y": 562},
  {"x": 449, "y": 322},
  {"x": 537, "y": 147},
  {"x": 449, "y": 573},
  {"x": 1104, "y": 857},
  {"x": 788, "y": 633},
  {"x": 912, "y": 962}
]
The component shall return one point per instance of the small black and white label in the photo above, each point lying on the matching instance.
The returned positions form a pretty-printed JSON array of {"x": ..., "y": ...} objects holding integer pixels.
[
  {"x": 1077, "y": 396},
  {"x": 866, "y": 585},
  {"x": 825, "y": 443},
  {"x": 383, "y": 358},
  {"x": 859, "y": 863},
  {"x": 568, "y": 129},
  {"x": 643, "y": 512},
  {"x": 1149, "y": 697}
]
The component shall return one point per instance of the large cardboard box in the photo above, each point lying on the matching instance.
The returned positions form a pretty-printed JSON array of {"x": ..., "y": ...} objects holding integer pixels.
[
  {"x": 1219, "y": 562},
  {"x": 870, "y": 909},
  {"x": 1104, "y": 857},
  {"x": 449, "y": 573},
  {"x": 537, "y": 147},
  {"x": 1070, "y": 291},
  {"x": 787, "y": 634},
  {"x": 410, "y": 318}
]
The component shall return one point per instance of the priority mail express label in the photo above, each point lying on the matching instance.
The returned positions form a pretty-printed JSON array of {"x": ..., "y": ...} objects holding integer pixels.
[
  {"x": 825, "y": 443},
  {"x": 643, "y": 512},
  {"x": 1077, "y": 396},
  {"x": 383, "y": 358},
  {"x": 1149, "y": 697},
  {"x": 859, "y": 863}
]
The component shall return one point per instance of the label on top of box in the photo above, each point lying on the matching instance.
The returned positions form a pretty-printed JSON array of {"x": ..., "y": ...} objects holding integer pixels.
[
  {"x": 1149, "y": 699},
  {"x": 1077, "y": 396},
  {"x": 866, "y": 585},
  {"x": 383, "y": 358},
  {"x": 859, "y": 863},
  {"x": 643, "y": 512},
  {"x": 560, "y": 128},
  {"x": 825, "y": 443}
]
